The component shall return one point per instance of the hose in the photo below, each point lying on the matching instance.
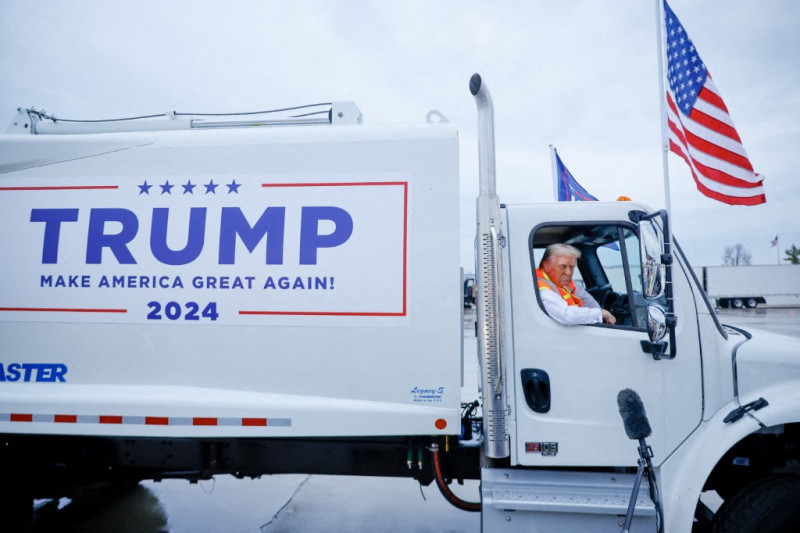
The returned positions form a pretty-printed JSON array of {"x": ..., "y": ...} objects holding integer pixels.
[{"x": 474, "y": 507}]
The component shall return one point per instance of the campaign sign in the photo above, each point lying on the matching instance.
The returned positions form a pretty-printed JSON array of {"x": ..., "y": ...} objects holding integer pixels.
[{"x": 227, "y": 250}]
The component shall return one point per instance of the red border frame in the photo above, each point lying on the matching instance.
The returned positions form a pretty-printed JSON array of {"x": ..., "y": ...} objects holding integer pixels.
[{"x": 404, "y": 312}]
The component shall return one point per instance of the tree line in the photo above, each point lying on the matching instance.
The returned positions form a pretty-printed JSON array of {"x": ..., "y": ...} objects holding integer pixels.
[{"x": 737, "y": 255}]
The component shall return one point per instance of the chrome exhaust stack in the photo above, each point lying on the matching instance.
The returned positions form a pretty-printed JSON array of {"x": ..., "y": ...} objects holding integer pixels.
[{"x": 489, "y": 278}]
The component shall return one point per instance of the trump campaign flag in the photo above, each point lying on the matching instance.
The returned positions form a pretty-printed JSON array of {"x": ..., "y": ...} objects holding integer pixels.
[
  {"x": 700, "y": 128},
  {"x": 569, "y": 190}
]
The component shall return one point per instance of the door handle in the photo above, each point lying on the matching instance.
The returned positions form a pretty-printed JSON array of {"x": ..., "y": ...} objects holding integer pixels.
[{"x": 536, "y": 388}]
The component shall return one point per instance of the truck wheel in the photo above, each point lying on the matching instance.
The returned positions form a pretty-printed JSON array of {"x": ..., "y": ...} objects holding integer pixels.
[
  {"x": 770, "y": 505},
  {"x": 751, "y": 303},
  {"x": 723, "y": 303},
  {"x": 737, "y": 303}
]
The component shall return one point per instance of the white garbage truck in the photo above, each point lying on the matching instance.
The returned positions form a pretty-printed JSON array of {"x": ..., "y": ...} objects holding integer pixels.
[{"x": 190, "y": 296}]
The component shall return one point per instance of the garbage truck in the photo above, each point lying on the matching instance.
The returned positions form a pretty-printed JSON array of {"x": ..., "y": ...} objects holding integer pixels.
[{"x": 192, "y": 296}]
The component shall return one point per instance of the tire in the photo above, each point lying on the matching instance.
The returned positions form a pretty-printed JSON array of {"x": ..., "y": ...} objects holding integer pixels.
[
  {"x": 723, "y": 303},
  {"x": 751, "y": 303},
  {"x": 737, "y": 303},
  {"x": 770, "y": 505}
]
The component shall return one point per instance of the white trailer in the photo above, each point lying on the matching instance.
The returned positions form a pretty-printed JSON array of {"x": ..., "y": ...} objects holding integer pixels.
[
  {"x": 246, "y": 298},
  {"x": 750, "y": 285}
]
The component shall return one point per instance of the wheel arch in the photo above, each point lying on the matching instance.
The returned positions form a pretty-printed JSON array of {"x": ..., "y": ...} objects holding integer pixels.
[
  {"x": 685, "y": 473},
  {"x": 768, "y": 451},
  {"x": 705, "y": 456}
]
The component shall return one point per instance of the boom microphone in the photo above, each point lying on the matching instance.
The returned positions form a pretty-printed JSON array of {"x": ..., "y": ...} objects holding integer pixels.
[
  {"x": 637, "y": 427},
  {"x": 631, "y": 410}
]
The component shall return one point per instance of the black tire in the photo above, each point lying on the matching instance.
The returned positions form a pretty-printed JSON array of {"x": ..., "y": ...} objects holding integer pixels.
[
  {"x": 723, "y": 303},
  {"x": 751, "y": 303},
  {"x": 737, "y": 303},
  {"x": 770, "y": 505}
]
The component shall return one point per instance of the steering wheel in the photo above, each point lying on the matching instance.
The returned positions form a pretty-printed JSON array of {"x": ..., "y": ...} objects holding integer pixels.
[{"x": 617, "y": 305}]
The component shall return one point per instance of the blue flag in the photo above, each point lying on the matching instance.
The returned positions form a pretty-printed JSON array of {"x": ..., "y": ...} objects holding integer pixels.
[{"x": 569, "y": 190}]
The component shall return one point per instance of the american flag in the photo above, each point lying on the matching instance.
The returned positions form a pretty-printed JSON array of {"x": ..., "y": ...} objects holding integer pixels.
[{"x": 700, "y": 129}]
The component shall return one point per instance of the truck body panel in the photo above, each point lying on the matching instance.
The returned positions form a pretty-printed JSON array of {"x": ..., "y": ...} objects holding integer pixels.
[
  {"x": 765, "y": 361},
  {"x": 252, "y": 282}
]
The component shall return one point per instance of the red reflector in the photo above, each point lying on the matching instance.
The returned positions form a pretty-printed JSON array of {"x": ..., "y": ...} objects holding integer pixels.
[
  {"x": 156, "y": 420},
  {"x": 204, "y": 421},
  {"x": 254, "y": 421},
  {"x": 532, "y": 447},
  {"x": 16, "y": 417},
  {"x": 68, "y": 419},
  {"x": 441, "y": 423},
  {"x": 106, "y": 419}
]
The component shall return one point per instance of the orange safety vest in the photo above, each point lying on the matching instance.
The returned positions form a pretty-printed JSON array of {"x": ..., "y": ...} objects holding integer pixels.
[{"x": 568, "y": 293}]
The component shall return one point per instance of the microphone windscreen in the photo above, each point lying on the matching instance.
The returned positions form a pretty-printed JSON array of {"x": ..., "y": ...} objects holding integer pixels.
[{"x": 634, "y": 419}]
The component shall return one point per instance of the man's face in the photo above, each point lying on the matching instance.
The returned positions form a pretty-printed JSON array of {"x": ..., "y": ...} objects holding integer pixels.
[{"x": 559, "y": 269}]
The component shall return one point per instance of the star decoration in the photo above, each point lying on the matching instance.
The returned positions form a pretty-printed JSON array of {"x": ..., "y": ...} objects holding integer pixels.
[
  {"x": 681, "y": 52},
  {"x": 188, "y": 187},
  {"x": 144, "y": 188},
  {"x": 233, "y": 187},
  {"x": 211, "y": 187},
  {"x": 166, "y": 188}
]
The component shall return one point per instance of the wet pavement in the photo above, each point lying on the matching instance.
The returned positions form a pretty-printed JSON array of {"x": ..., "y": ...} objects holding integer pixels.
[
  {"x": 325, "y": 503},
  {"x": 784, "y": 320},
  {"x": 292, "y": 503},
  {"x": 284, "y": 503}
]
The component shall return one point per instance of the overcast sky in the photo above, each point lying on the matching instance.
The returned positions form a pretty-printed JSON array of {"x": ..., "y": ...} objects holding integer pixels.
[{"x": 582, "y": 75}]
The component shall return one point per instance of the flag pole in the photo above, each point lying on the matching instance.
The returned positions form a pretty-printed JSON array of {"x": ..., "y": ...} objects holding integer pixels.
[
  {"x": 662, "y": 106},
  {"x": 555, "y": 171},
  {"x": 778, "y": 249}
]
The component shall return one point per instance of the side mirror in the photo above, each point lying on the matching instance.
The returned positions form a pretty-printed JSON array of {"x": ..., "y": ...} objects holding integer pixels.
[
  {"x": 656, "y": 330},
  {"x": 656, "y": 322},
  {"x": 651, "y": 245}
]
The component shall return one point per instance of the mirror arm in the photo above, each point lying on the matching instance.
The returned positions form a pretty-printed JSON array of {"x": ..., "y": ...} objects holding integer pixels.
[
  {"x": 657, "y": 349},
  {"x": 636, "y": 215},
  {"x": 672, "y": 320}
]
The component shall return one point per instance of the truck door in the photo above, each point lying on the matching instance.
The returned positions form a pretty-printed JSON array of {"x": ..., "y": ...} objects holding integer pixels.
[{"x": 566, "y": 378}]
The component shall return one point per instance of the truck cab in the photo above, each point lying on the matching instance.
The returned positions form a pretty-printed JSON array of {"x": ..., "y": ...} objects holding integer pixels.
[
  {"x": 568, "y": 464},
  {"x": 563, "y": 422},
  {"x": 587, "y": 365}
]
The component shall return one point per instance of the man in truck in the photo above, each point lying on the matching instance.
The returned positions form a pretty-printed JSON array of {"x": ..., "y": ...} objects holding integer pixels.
[{"x": 566, "y": 303}]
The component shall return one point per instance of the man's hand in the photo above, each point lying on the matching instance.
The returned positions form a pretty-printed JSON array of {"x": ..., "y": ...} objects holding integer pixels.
[{"x": 608, "y": 318}]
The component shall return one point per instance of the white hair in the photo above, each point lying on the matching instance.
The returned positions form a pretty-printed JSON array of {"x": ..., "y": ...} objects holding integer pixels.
[{"x": 559, "y": 249}]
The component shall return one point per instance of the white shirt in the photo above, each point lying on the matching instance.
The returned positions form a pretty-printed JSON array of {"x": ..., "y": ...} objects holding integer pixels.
[{"x": 572, "y": 315}]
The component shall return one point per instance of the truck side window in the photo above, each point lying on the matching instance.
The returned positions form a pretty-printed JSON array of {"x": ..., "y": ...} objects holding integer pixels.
[
  {"x": 624, "y": 299},
  {"x": 609, "y": 268}
]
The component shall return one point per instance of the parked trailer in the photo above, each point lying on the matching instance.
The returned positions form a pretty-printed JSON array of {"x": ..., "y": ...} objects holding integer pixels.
[
  {"x": 185, "y": 297},
  {"x": 748, "y": 286}
]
